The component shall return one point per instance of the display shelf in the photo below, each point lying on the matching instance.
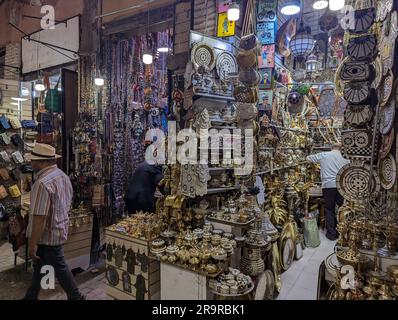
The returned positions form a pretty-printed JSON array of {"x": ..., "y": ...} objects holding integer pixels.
[
  {"x": 220, "y": 190},
  {"x": 230, "y": 223},
  {"x": 198, "y": 95},
  {"x": 280, "y": 169}
]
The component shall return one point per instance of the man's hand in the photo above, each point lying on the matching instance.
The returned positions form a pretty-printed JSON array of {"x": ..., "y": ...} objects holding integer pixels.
[
  {"x": 33, "y": 252},
  {"x": 158, "y": 195}
]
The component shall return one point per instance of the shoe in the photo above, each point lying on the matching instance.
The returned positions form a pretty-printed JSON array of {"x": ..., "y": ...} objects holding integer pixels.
[{"x": 331, "y": 238}]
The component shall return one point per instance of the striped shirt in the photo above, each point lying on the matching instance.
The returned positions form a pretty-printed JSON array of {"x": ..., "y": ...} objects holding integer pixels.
[{"x": 51, "y": 196}]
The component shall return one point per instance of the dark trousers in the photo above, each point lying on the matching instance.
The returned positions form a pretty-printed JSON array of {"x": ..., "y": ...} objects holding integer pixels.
[
  {"x": 53, "y": 256},
  {"x": 332, "y": 198}
]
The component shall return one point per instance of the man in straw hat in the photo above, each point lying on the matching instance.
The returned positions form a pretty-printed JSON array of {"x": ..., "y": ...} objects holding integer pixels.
[
  {"x": 331, "y": 162},
  {"x": 50, "y": 202}
]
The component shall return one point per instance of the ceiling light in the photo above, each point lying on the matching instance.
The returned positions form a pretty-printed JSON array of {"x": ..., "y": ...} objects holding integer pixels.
[
  {"x": 291, "y": 8},
  {"x": 233, "y": 12},
  {"x": 336, "y": 5},
  {"x": 147, "y": 58},
  {"x": 99, "y": 81},
  {"x": 320, "y": 4},
  {"x": 39, "y": 86},
  {"x": 163, "y": 49}
]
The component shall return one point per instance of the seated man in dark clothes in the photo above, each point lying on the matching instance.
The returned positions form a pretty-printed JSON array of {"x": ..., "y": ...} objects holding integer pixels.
[{"x": 140, "y": 195}]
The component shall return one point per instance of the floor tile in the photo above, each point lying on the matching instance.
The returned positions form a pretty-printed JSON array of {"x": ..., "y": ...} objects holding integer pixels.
[
  {"x": 300, "y": 294},
  {"x": 308, "y": 281}
]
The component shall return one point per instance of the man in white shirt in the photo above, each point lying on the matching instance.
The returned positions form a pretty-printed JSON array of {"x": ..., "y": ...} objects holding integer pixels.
[{"x": 331, "y": 163}]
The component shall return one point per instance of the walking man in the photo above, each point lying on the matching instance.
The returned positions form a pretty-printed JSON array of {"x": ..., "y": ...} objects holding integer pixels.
[{"x": 50, "y": 202}]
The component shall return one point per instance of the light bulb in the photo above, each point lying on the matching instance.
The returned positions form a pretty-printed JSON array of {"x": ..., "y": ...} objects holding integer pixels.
[
  {"x": 147, "y": 58},
  {"x": 233, "y": 12},
  {"x": 320, "y": 4},
  {"x": 39, "y": 86},
  {"x": 163, "y": 49},
  {"x": 99, "y": 81},
  {"x": 336, "y": 5}
]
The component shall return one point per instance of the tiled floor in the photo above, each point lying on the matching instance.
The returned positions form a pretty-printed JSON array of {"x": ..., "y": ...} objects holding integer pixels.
[
  {"x": 7, "y": 256},
  {"x": 300, "y": 282}
]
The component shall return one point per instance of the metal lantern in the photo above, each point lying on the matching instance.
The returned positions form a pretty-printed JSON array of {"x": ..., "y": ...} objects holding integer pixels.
[
  {"x": 302, "y": 44},
  {"x": 312, "y": 64}
]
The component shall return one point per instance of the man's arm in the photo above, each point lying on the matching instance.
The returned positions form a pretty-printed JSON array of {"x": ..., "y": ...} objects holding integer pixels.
[
  {"x": 316, "y": 158},
  {"x": 40, "y": 207}
]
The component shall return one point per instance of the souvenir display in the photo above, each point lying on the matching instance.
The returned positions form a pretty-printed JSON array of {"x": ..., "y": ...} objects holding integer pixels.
[
  {"x": 357, "y": 115},
  {"x": 388, "y": 172},
  {"x": 387, "y": 117},
  {"x": 355, "y": 184}
]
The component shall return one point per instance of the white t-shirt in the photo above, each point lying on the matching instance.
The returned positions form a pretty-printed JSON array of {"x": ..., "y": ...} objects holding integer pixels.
[{"x": 331, "y": 162}]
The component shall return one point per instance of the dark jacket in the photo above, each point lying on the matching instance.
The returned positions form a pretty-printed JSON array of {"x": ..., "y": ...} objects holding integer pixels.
[{"x": 140, "y": 195}]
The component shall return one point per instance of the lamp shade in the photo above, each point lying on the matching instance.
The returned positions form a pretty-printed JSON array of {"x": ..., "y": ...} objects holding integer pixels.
[
  {"x": 291, "y": 7},
  {"x": 302, "y": 44},
  {"x": 336, "y": 5},
  {"x": 147, "y": 58},
  {"x": 39, "y": 86}
]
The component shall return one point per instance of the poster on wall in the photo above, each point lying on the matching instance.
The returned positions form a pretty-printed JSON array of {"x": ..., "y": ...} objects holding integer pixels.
[
  {"x": 266, "y": 32},
  {"x": 266, "y": 99},
  {"x": 223, "y": 5},
  {"x": 266, "y": 10},
  {"x": 267, "y": 57},
  {"x": 266, "y": 78},
  {"x": 225, "y": 27}
]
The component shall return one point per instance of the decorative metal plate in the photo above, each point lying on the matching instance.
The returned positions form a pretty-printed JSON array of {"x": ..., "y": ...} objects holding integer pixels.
[
  {"x": 362, "y": 48},
  {"x": 378, "y": 67},
  {"x": 386, "y": 143},
  {"x": 327, "y": 100},
  {"x": 387, "y": 117},
  {"x": 356, "y": 92},
  {"x": 287, "y": 253},
  {"x": 203, "y": 56},
  {"x": 384, "y": 7},
  {"x": 388, "y": 172},
  {"x": 355, "y": 71},
  {"x": 112, "y": 275},
  {"x": 357, "y": 144},
  {"x": 226, "y": 64},
  {"x": 364, "y": 19},
  {"x": 357, "y": 115},
  {"x": 353, "y": 182},
  {"x": 387, "y": 87}
]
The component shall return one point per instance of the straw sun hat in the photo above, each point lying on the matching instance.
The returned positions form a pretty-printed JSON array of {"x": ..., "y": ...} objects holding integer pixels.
[{"x": 42, "y": 152}]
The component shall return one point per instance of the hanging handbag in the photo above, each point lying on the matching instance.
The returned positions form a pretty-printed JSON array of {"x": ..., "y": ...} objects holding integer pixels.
[
  {"x": 15, "y": 123},
  {"x": 47, "y": 138},
  {"x": 249, "y": 77},
  {"x": 3, "y": 192},
  {"x": 17, "y": 174},
  {"x": 29, "y": 124},
  {"x": 17, "y": 157},
  {"x": 53, "y": 101},
  {"x": 4, "y": 139},
  {"x": 4, "y": 174},
  {"x": 14, "y": 191},
  {"x": 17, "y": 140},
  {"x": 26, "y": 168},
  {"x": 4, "y": 124},
  {"x": 4, "y": 157}
]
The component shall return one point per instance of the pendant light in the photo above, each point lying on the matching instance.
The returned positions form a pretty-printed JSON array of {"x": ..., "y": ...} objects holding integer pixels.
[
  {"x": 302, "y": 44},
  {"x": 99, "y": 80},
  {"x": 147, "y": 57},
  {"x": 320, "y": 4},
  {"x": 39, "y": 86},
  {"x": 336, "y": 5},
  {"x": 233, "y": 13},
  {"x": 163, "y": 42},
  {"x": 291, "y": 7}
]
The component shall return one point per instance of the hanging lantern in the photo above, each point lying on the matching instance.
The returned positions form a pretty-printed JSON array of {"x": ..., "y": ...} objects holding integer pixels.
[
  {"x": 233, "y": 13},
  {"x": 312, "y": 64},
  {"x": 302, "y": 44}
]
